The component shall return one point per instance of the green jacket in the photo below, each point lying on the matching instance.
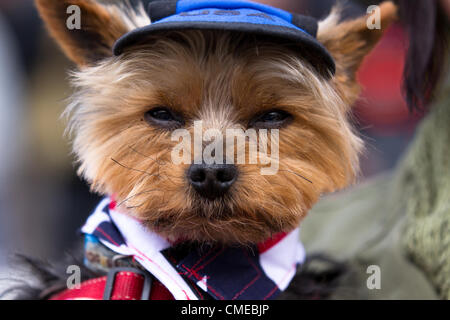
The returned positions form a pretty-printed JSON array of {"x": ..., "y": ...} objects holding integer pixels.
[{"x": 399, "y": 221}]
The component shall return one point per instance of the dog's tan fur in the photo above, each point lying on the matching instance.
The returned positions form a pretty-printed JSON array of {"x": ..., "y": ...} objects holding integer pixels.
[{"x": 224, "y": 79}]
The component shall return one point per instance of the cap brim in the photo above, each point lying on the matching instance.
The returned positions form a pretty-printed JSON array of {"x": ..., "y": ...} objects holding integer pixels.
[{"x": 314, "y": 49}]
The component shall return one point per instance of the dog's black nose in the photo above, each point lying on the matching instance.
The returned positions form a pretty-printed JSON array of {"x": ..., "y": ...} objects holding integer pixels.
[{"x": 212, "y": 181}]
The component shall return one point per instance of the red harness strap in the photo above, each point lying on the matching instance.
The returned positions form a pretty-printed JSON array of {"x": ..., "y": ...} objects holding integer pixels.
[{"x": 118, "y": 285}]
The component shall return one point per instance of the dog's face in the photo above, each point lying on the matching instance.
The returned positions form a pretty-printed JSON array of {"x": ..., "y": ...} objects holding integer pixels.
[{"x": 126, "y": 111}]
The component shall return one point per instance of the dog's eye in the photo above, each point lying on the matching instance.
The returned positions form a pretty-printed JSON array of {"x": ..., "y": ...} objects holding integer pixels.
[
  {"x": 270, "y": 119},
  {"x": 164, "y": 117}
]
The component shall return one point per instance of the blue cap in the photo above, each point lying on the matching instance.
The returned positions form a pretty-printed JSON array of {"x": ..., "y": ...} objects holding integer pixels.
[{"x": 233, "y": 15}]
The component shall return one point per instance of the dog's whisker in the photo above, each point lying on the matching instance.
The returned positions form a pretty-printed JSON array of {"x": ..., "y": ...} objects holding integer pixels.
[
  {"x": 297, "y": 174},
  {"x": 158, "y": 161},
  {"x": 137, "y": 194},
  {"x": 133, "y": 169},
  {"x": 134, "y": 207}
]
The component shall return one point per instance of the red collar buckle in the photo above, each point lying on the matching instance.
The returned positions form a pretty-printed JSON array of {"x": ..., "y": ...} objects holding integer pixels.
[{"x": 127, "y": 284}]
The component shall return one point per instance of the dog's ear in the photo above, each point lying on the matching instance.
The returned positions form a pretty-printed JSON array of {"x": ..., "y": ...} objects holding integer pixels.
[
  {"x": 98, "y": 29},
  {"x": 351, "y": 40}
]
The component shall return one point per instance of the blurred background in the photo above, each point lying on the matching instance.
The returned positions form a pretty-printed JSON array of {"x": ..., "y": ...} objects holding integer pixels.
[{"x": 43, "y": 202}]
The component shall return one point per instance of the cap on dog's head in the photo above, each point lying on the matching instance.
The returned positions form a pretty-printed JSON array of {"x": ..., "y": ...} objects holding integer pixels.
[
  {"x": 211, "y": 66},
  {"x": 235, "y": 15}
]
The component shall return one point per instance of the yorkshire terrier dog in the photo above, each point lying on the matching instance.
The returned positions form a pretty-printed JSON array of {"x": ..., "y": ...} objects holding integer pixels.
[{"x": 144, "y": 75}]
